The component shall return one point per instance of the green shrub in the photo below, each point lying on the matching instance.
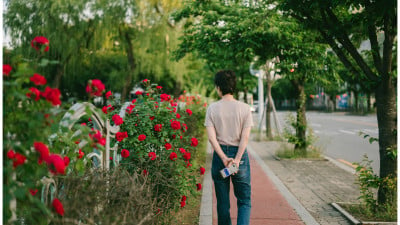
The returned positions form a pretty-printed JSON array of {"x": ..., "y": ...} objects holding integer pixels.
[{"x": 159, "y": 144}]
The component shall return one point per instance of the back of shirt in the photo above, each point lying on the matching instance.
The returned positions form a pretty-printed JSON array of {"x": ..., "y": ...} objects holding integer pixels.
[{"x": 228, "y": 118}]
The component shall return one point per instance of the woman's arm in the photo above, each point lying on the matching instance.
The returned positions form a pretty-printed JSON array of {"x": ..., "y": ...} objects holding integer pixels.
[
  {"x": 212, "y": 138},
  {"x": 244, "y": 139}
]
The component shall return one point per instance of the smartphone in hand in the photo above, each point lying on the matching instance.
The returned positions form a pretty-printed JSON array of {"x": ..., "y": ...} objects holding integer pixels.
[{"x": 226, "y": 172}]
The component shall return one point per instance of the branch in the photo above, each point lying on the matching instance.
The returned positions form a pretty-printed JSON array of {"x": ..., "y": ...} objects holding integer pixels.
[
  {"x": 387, "y": 46},
  {"x": 373, "y": 39},
  {"x": 329, "y": 39},
  {"x": 348, "y": 45}
]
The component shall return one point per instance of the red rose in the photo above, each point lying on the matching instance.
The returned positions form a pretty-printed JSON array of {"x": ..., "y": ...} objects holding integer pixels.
[
  {"x": 120, "y": 136},
  {"x": 95, "y": 87},
  {"x": 152, "y": 155},
  {"x": 187, "y": 156},
  {"x": 145, "y": 173},
  {"x": 174, "y": 110},
  {"x": 133, "y": 101},
  {"x": 18, "y": 159},
  {"x": 198, "y": 186},
  {"x": 176, "y": 125},
  {"x": 66, "y": 160},
  {"x": 173, "y": 156},
  {"x": 178, "y": 116},
  {"x": 152, "y": 118},
  {"x": 6, "y": 69},
  {"x": 138, "y": 93},
  {"x": 40, "y": 41},
  {"x": 159, "y": 87},
  {"x": 173, "y": 136},
  {"x": 10, "y": 154},
  {"x": 202, "y": 171},
  {"x": 158, "y": 127},
  {"x": 108, "y": 94},
  {"x": 56, "y": 164},
  {"x": 102, "y": 141},
  {"x": 124, "y": 153},
  {"x": 182, "y": 150},
  {"x": 168, "y": 146},
  {"x": 145, "y": 80},
  {"x": 35, "y": 92},
  {"x": 183, "y": 203},
  {"x": 142, "y": 137},
  {"x": 38, "y": 79},
  {"x": 107, "y": 109},
  {"x": 117, "y": 120},
  {"x": 195, "y": 142},
  {"x": 58, "y": 206},
  {"x": 43, "y": 151},
  {"x": 80, "y": 154},
  {"x": 33, "y": 192},
  {"x": 165, "y": 97},
  {"x": 130, "y": 108},
  {"x": 188, "y": 111},
  {"x": 183, "y": 199},
  {"x": 52, "y": 95}
]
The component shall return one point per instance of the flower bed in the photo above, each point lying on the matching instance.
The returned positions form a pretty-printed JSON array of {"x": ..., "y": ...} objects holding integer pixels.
[{"x": 46, "y": 176}]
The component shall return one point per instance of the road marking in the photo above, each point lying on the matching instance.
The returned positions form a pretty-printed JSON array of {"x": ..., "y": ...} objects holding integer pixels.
[
  {"x": 347, "y": 163},
  {"x": 357, "y": 122},
  {"x": 347, "y": 132}
]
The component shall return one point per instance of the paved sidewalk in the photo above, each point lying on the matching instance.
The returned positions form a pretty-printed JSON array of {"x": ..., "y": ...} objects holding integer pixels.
[
  {"x": 315, "y": 183},
  {"x": 268, "y": 204},
  {"x": 287, "y": 191}
]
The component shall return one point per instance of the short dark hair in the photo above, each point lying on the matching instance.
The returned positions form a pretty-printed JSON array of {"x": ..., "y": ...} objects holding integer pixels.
[{"x": 226, "y": 81}]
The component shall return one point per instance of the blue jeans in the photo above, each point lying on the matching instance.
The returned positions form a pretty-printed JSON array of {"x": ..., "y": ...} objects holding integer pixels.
[{"x": 241, "y": 187}]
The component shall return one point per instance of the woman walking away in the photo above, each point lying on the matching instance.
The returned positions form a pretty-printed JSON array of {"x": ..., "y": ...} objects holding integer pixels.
[{"x": 228, "y": 123}]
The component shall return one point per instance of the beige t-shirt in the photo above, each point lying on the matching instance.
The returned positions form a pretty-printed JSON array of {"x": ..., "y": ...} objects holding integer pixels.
[{"x": 228, "y": 118}]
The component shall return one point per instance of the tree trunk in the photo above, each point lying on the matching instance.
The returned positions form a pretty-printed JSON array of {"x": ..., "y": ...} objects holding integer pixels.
[
  {"x": 368, "y": 102},
  {"x": 356, "y": 109},
  {"x": 301, "y": 122},
  {"x": 132, "y": 65},
  {"x": 57, "y": 78},
  {"x": 269, "y": 107},
  {"x": 387, "y": 122}
]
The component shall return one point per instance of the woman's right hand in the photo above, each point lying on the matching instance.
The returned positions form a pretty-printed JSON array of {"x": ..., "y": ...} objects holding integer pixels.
[{"x": 227, "y": 161}]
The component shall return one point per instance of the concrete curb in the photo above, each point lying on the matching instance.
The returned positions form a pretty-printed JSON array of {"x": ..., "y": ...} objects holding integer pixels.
[
  {"x": 293, "y": 202},
  {"x": 340, "y": 165},
  {"x": 206, "y": 208}
]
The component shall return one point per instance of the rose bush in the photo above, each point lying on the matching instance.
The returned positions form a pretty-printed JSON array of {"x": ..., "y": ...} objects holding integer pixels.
[
  {"x": 35, "y": 144},
  {"x": 161, "y": 145}
]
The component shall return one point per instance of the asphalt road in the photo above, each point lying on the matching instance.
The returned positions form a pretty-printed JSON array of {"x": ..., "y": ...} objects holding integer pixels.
[{"x": 338, "y": 135}]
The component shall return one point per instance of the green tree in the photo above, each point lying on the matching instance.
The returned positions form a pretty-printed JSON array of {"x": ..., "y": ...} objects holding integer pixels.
[{"x": 343, "y": 24}]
